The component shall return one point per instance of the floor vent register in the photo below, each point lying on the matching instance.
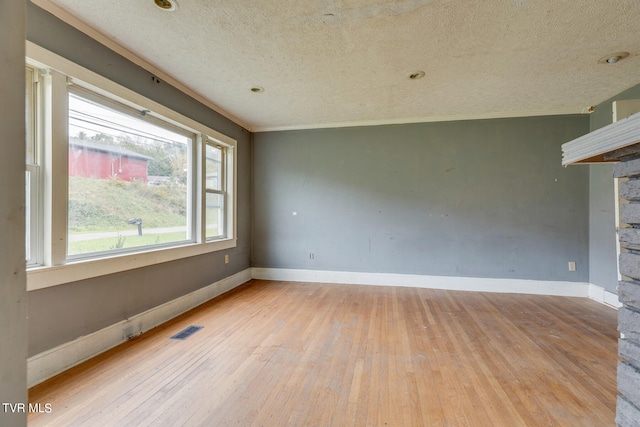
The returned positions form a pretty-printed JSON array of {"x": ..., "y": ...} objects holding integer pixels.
[{"x": 186, "y": 333}]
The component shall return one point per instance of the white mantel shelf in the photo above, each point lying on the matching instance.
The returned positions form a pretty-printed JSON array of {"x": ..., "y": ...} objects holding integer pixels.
[{"x": 592, "y": 147}]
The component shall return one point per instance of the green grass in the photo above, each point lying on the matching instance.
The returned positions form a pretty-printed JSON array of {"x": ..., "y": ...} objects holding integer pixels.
[
  {"x": 106, "y": 205},
  {"x": 109, "y": 243}
]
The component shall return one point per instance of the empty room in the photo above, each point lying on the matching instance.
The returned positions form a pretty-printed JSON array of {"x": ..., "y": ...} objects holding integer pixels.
[{"x": 358, "y": 213}]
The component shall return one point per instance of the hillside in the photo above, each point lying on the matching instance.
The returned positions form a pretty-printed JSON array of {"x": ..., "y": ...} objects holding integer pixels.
[{"x": 98, "y": 205}]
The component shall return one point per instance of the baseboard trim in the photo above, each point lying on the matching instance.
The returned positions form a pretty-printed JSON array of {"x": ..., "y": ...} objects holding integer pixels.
[
  {"x": 47, "y": 364},
  {"x": 476, "y": 284},
  {"x": 601, "y": 295}
]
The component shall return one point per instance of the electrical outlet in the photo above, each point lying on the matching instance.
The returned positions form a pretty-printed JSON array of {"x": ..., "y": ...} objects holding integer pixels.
[
  {"x": 572, "y": 266},
  {"x": 226, "y": 259},
  {"x": 312, "y": 255}
]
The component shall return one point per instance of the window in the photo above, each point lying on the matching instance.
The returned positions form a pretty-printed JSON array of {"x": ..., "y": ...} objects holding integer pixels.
[
  {"x": 32, "y": 178},
  {"x": 215, "y": 190},
  {"x": 126, "y": 182}
]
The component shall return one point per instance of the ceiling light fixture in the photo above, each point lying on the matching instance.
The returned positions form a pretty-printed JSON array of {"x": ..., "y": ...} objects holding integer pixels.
[
  {"x": 613, "y": 58},
  {"x": 166, "y": 5},
  {"x": 417, "y": 75},
  {"x": 257, "y": 89}
]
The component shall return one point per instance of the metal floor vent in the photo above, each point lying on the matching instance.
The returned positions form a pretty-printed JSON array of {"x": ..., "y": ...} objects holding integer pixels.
[{"x": 186, "y": 333}]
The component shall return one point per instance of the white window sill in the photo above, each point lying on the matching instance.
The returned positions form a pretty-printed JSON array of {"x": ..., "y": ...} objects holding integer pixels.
[{"x": 47, "y": 276}]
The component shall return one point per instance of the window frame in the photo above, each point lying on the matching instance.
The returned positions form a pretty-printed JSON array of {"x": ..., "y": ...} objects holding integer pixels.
[
  {"x": 223, "y": 186},
  {"x": 55, "y": 267},
  {"x": 191, "y": 148},
  {"x": 32, "y": 168}
]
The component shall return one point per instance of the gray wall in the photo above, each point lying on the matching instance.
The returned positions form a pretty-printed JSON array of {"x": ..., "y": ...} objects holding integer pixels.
[
  {"x": 13, "y": 295},
  {"x": 603, "y": 268},
  {"x": 484, "y": 198},
  {"x": 66, "y": 312}
]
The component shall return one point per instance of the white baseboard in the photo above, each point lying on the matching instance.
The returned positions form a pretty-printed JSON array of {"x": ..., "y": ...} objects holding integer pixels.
[
  {"x": 477, "y": 284},
  {"x": 603, "y": 296},
  {"x": 56, "y": 360}
]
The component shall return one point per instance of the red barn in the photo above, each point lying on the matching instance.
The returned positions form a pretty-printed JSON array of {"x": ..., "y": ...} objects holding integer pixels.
[{"x": 97, "y": 160}]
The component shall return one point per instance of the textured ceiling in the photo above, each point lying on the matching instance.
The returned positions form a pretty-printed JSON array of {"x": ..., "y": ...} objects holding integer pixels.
[{"x": 344, "y": 62}]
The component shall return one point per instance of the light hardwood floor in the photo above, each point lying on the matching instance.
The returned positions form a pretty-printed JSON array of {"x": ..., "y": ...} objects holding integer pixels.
[{"x": 303, "y": 354}]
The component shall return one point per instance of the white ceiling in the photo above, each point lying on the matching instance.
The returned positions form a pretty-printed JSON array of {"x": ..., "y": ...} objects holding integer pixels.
[{"x": 331, "y": 63}]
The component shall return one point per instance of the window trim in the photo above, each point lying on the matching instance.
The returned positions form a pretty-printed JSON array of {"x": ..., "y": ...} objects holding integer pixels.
[
  {"x": 33, "y": 168},
  {"x": 57, "y": 269},
  {"x": 223, "y": 179},
  {"x": 34, "y": 217},
  {"x": 191, "y": 147}
]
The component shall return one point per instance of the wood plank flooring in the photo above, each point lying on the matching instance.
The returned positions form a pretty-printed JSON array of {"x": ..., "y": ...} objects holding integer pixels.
[{"x": 305, "y": 354}]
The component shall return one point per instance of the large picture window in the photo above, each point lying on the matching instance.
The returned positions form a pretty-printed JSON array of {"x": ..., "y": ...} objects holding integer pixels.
[
  {"x": 129, "y": 180},
  {"x": 125, "y": 182}
]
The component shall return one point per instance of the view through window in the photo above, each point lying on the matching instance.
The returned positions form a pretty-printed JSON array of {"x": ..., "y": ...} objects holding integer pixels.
[{"x": 129, "y": 182}]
